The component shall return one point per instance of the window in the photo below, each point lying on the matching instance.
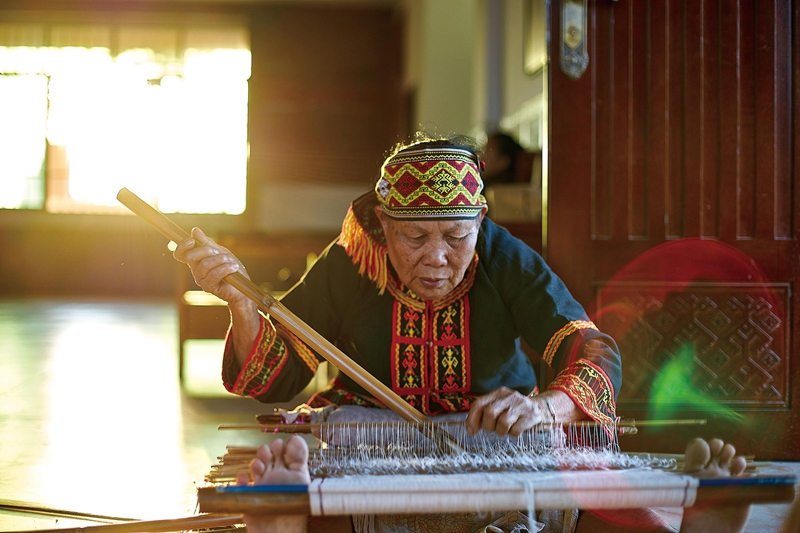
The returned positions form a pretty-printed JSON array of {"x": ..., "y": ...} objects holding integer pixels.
[
  {"x": 23, "y": 116},
  {"x": 162, "y": 112}
]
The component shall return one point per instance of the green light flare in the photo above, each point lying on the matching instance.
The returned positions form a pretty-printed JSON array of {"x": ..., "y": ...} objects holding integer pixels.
[{"x": 673, "y": 390}]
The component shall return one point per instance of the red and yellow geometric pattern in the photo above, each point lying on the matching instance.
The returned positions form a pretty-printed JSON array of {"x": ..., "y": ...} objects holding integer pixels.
[
  {"x": 559, "y": 336},
  {"x": 259, "y": 370},
  {"x": 590, "y": 389},
  {"x": 431, "y": 183},
  {"x": 430, "y": 352}
]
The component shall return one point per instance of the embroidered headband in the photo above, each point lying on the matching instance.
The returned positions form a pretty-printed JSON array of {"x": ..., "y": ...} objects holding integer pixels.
[{"x": 431, "y": 183}]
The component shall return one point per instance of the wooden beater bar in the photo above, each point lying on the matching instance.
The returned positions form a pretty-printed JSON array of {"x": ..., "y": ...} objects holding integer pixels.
[
  {"x": 268, "y": 304},
  {"x": 308, "y": 427}
]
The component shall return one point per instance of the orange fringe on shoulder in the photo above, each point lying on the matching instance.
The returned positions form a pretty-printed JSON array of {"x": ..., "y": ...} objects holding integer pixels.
[{"x": 370, "y": 256}]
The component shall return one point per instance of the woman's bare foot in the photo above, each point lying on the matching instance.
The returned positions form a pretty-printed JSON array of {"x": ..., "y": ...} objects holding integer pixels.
[
  {"x": 278, "y": 464},
  {"x": 714, "y": 459}
]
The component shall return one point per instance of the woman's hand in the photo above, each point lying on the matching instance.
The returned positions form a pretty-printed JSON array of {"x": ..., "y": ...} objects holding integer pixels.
[
  {"x": 507, "y": 412},
  {"x": 210, "y": 263}
]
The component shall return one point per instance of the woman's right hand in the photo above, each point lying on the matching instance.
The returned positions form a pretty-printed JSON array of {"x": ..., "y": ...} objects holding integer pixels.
[{"x": 210, "y": 263}]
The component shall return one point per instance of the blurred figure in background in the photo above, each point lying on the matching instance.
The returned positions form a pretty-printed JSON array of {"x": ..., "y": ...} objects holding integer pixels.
[{"x": 501, "y": 155}]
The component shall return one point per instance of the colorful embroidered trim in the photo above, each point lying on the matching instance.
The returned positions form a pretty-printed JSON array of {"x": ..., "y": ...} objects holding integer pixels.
[
  {"x": 430, "y": 349},
  {"x": 337, "y": 394},
  {"x": 431, "y": 183},
  {"x": 559, "y": 336},
  {"x": 302, "y": 350},
  {"x": 590, "y": 389},
  {"x": 430, "y": 352},
  {"x": 258, "y": 373}
]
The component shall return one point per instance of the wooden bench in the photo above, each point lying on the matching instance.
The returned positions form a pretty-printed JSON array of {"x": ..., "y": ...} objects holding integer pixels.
[{"x": 201, "y": 316}]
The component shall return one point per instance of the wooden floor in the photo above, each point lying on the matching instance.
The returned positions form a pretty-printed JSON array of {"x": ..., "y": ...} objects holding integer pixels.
[{"x": 94, "y": 419}]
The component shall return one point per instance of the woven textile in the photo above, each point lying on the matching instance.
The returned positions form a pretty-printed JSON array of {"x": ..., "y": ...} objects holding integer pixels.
[{"x": 431, "y": 183}]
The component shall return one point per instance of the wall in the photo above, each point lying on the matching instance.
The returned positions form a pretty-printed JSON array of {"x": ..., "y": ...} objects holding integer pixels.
[
  {"x": 464, "y": 63},
  {"x": 326, "y": 95},
  {"x": 446, "y": 64},
  {"x": 332, "y": 88},
  {"x": 522, "y": 92}
]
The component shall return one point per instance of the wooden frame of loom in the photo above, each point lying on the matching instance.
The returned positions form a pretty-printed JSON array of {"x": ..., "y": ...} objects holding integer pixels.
[{"x": 621, "y": 489}]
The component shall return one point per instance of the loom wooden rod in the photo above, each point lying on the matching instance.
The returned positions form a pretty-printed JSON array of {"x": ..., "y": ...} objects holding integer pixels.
[
  {"x": 204, "y": 521},
  {"x": 763, "y": 489},
  {"x": 38, "y": 509},
  {"x": 242, "y": 465},
  {"x": 676, "y": 456},
  {"x": 269, "y": 503},
  {"x": 268, "y": 304},
  {"x": 307, "y": 427},
  {"x": 679, "y": 422}
]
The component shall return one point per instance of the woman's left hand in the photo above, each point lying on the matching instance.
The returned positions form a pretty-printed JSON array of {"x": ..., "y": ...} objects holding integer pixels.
[{"x": 507, "y": 412}]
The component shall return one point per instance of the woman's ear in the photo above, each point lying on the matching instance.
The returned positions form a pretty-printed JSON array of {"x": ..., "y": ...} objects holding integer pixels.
[
  {"x": 482, "y": 214},
  {"x": 382, "y": 217}
]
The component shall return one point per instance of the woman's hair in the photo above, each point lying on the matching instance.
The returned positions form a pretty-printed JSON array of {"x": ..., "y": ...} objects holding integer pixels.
[{"x": 423, "y": 139}]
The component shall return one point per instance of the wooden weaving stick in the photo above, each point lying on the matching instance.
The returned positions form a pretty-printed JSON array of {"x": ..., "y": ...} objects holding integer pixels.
[
  {"x": 268, "y": 304},
  {"x": 32, "y": 508},
  {"x": 204, "y": 521}
]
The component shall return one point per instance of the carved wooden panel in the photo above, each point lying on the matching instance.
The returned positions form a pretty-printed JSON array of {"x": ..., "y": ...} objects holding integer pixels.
[{"x": 727, "y": 342}]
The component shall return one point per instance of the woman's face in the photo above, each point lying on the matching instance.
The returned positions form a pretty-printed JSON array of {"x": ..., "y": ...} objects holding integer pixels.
[{"x": 430, "y": 256}]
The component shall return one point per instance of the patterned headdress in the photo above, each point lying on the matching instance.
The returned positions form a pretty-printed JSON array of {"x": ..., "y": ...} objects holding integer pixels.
[{"x": 431, "y": 182}]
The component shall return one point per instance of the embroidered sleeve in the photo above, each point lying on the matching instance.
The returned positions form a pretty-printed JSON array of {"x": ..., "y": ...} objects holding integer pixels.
[
  {"x": 299, "y": 347},
  {"x": 558, "y": 338},
  {"x": 588, "y": 369},
  {"x": 273, "y": 349},
  {"x": 590, "y": 388}
]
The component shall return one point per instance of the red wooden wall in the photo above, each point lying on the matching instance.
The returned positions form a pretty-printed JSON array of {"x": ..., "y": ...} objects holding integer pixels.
[{"x": 673, "y": 172}]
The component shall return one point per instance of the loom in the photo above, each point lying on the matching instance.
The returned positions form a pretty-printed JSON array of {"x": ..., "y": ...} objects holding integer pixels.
[
  {"x": 511, "y": 475},
  {"x": 388, "y": 468},
  {"x": 385, "y": 467},
  {"x": 357, "y": 440}
]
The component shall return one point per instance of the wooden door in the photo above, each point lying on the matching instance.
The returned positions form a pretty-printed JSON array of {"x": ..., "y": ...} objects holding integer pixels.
[{"x": 673, "y": 187}]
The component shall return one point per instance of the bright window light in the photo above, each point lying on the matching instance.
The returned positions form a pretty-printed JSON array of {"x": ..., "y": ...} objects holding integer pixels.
[
  {"x": 174, "y": 131},
  {"x": 23, "y": 115}
]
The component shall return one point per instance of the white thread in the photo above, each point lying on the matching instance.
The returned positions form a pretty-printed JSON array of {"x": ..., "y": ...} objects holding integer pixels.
[
  {"x": 530, "y": 497},
  {"x": 383, "y": 444}
]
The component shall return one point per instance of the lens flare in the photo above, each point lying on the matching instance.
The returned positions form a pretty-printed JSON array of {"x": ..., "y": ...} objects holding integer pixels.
[
  {"x": 700, "y": 328},
  {"x": 673, "y": 390}
]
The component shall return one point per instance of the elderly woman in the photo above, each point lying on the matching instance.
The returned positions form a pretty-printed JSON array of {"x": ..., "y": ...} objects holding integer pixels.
[{"x": 430, "y": 297}]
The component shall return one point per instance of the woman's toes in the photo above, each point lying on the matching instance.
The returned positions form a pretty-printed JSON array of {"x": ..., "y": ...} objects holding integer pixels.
[
  {"x": 295, "y": 453},
  {"x": 715, "y": 445},
  {"x": 697, "y": 456}
]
